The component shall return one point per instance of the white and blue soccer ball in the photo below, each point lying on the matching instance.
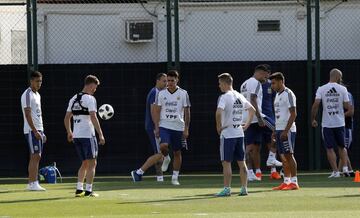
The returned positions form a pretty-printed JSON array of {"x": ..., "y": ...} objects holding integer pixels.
[{"x": 106, "y": 111}]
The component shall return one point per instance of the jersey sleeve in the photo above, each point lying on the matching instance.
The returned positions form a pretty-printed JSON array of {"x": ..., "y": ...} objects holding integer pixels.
[
  {"x": 291, "y": 100},
  {"x": 318, "y": 93},
  {"x": 152, "y": 97},
  {"x": 26, "y": 100},
  {"x": 70, "y": 105},
  {"x": 245, "y": 102},
  {"x": 221, "y": 102},
  {"x": 346, "y": 95},
  {"x": 89, "y": 102},
  {"x": 158, "y": 99},
  {"x": 254, "y": 87},
  {"x": 187, "y": 100},
  {"x": 351, "y": 98}
]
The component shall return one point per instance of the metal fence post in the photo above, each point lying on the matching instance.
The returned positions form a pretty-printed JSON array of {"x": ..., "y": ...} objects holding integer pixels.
[
  {"x": 317, "y": 78},
  {"x": 168, "y": 34},
  {"x": 309, "y": 82}
]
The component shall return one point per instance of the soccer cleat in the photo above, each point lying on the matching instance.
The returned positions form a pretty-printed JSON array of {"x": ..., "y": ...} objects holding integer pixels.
[
  {"x": 165, "y": 164},
  {"x": 291, "y": 186},
  {"x": 243, "y": 191},
  {"x": 136, "y": 177},
  {"x": 35, "y": 187},
  {"x": 275, "y": 175},
  {"x": 160, "y": 179},
  {"x": 259, "y": 176},
  {"x": 335, "y": 175},
  {"x": 280, "y": 187},
  {"x": 91, "y": 194},
  {"x": 273, "y": 162},
  {"x": 226, "y": 192},
  {"x": 175, "y": 181},
  {"x": 252, "y": 177},
  {"x": 79, "y": 193},
  {"x": 351, "y": 173}
]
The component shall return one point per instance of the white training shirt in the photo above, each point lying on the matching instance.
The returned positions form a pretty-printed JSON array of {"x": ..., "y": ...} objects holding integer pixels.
[
  {"x": 233, "y": 105},
  {"x": 33, "y": 100},
  {"x": 333, "y": 95},
  {"x": 283, "y": 101},
  {"x": 172, "y": 108},
  {"x": 83, "y": 127},
  {"x": 252, "y": 86}
]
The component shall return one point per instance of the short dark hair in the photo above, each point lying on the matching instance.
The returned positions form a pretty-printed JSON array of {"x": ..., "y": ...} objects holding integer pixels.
[
  {"x": 35, "y": 74},
  {"x": 89, "y": 79},
  {"x": 264, "y": 67},
  {"x": 159, "y": 75},
  {"x": 226, "y": 77},
  {"x": 173, "y": 73},
  {"x": 277, "y": 76}
]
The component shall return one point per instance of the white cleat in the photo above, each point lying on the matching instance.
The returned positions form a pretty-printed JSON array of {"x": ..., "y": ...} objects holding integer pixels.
[
  {"x": 273, "y": 162},
  {"x": 165, "y": 164},
  {"x": 335, "y": 175},
  {"x": 160, "y": 179},
  {"x": 35, "y": 187},
  {"x": 175, "y": 182},
  {"x": 252, "y": 177}
]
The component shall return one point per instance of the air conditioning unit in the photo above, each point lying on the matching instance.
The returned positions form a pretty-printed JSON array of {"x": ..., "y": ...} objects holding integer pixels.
[{"x": 139, "y": 31}]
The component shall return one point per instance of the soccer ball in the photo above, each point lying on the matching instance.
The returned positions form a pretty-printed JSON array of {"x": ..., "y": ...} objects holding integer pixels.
[{"x": 106, "y": 111}]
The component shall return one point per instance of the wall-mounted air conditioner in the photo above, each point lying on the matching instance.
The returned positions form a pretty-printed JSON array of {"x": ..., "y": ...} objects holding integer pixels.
[{"x": 139, "y": 31}]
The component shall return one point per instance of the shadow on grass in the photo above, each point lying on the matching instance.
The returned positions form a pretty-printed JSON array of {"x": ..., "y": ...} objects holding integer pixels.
[
  {"x": 34, "y": 200},
  {"x": 182, "y": 199},
  {"x": 346, "y": 196}
]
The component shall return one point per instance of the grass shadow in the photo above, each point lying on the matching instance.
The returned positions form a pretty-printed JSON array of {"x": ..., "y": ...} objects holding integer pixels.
[{"x": 33, "y": 200}]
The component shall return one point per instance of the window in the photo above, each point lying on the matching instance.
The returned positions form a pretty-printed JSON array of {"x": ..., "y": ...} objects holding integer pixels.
[{"x": 268, "y": 25}]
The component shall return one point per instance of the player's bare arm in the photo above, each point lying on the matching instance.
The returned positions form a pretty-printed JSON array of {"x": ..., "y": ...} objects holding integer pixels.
[
  {"x": 349, "y": 109},
  {"x": 253, "y": 102},
  {"x": 156, "y": 118},
  {"x": 293, "y": 114},
  {"x": 219, "y": 128},
  {"x": 187, "y": 122},
  {"x": 67, "y": 124},
  {"x": 31, "y": 123},
  {"x": 96, "y": 124},
  {"x": 314, "y": 112},
  {"x": 251, "y": 112}
]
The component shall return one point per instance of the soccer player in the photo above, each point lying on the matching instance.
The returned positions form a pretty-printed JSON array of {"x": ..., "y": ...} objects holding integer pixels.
[
  {"x": 82, "y": 108},
  {"x": 334, "y": 98},
  {"x": 33, "y": 128},
  {"x": 231, "y": 106},
  {"x": 349, "y": 126},
  {"x": 268, "y": 111},
  {"x": 251, "y": 89},
  {"x": 161, "y": 81},
  {"x": 285, "y": 130},
  {"x": 171, "y": 119}
]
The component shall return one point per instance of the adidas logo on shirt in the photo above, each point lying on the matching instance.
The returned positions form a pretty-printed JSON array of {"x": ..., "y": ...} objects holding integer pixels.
[
  {"x": 237, "y": 104},
  {"x": 332, "y": 93}
]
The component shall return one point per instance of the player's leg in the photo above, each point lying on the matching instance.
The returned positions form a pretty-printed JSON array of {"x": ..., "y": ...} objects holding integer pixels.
[
  {"x": 91, "y": 156},
  {"x": 176, "y": 143},
  {"x": 329, "y": 143},
  {"x": 81, "y": 150},
  {"x": 239, "y": 155},
  {"x": 343, "y": 155},
  {"x": 266, "y": 139},
  {"x": 250, "y": 141},
  {"x": 155, "y": 146},
  {"x": 289, "y": 146},
  {"x": 283, "y": 149},
  {"x": 35, "y": 148},
  {"x": 226, "y": 156},
  {"x": 256, "y": 160}
]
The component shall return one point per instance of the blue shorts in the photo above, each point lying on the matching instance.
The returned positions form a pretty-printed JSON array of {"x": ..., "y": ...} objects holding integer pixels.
[
  {"x": 267, "y": 130},
  {"x": 154, "y": 142},
  {"x": 287, "y": 146},
  {"x": 232, "y": 148},
  {"x": 35, "y": 146},
  {"x": 171, "y": 137},
  {"x": 253, "y": 134},
  {"x": 348, "y": 137},
  {"x": 333, "y": 137},
  {"x": 87, "y": 148}
]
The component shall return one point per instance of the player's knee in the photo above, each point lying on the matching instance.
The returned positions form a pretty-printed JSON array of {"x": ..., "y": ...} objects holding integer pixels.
[
  {"x": 164, "y": 149},
  {"x": 177, "y": 153}
]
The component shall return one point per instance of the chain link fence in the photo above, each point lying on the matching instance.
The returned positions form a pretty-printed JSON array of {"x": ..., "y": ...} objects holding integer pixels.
[{"x": 12, "y": 32}]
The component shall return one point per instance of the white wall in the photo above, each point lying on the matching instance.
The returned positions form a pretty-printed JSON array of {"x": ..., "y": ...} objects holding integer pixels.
[
  {"x": 95, "y": 33},
  {"x": 12, "y": 22}
]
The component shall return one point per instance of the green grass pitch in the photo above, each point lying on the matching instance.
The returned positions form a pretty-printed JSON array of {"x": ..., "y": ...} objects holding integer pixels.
[{"x": 120, "y": 197}]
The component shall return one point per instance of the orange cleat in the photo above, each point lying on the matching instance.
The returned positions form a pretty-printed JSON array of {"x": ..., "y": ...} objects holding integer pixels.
[
  {"x": 259, "y": 176},
  {"x": 291, "y": 186},
  {"x": 280, "y": 187},
  {"x": 275, "y": 175}
]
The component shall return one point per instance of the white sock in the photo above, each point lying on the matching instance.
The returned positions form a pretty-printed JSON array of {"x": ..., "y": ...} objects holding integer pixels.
[
  {"x": 175, "y": 174},
  {"x": 258, "y": 170},
  {"x": 80, "y": 186},
  {"x": 345, "y": 169},
  {"x": 89, "y": 187},
  {"x": 250, "y": 171},
  {"x": 272, "y": 155},
  {"x": 167, "y": 157},
  {"x": 160, "y": 178},
  {"x": 36, "y": 182},
  {"x": 140, "y": 171},
  {"x": 287, "y": 180},
  {"x": 294, "y": 179},
  {"x": 273, "y": 169}
]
